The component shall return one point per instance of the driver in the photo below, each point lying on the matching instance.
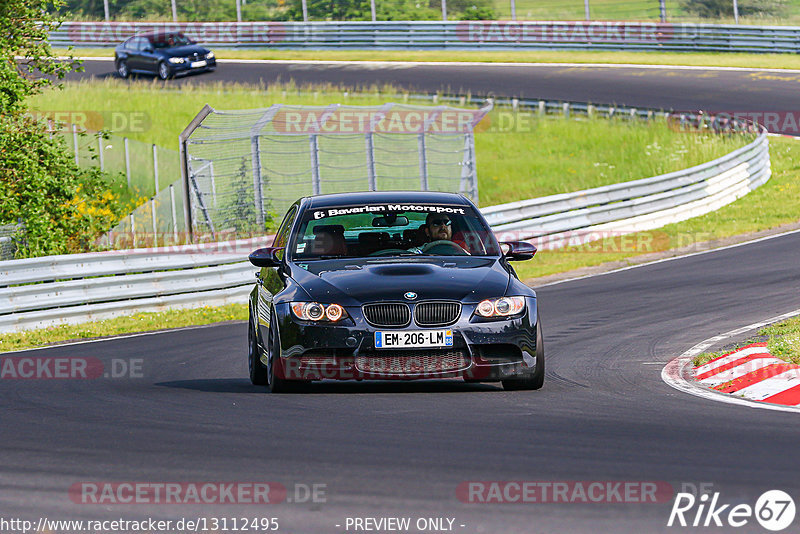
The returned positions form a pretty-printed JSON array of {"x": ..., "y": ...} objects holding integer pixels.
[{"x": 438, "y": 227}]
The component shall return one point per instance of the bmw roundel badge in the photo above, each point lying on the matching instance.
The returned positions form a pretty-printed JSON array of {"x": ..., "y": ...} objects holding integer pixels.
[{"x": 410, "y": 295}]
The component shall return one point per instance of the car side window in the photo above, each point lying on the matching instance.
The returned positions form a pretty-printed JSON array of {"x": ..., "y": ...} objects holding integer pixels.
[
  {"x": 282, "y": 237},
  {"x": 143, "y": 43}
]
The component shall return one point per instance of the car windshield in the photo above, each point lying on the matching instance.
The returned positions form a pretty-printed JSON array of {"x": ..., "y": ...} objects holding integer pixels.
[
  {"x": 170, "y": 40},
  {"x": 392, "y": 230}
]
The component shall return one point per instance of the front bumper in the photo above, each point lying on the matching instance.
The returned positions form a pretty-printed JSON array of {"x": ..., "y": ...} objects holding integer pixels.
[
  {"x": 186, "y": 67},
  {"x": 483, "y": 350}
]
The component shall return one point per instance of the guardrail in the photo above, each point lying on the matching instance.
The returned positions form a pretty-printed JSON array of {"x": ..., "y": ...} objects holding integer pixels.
[
  {"x": 40, "y": 292},
  {"x": 466, "y": 35}
]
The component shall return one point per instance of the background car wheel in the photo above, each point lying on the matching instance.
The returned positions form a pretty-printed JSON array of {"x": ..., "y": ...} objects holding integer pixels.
[
  {"x": 122, "y": 69},
  {"x": 163, "y": 71},
  {"x": 275, "y": 384},
  {"x": 258, "y": 371},
  {"x": 537, "y": 380}
]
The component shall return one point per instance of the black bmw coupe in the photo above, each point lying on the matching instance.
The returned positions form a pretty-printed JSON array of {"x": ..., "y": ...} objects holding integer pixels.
[
  {"x": 391, "y": 286},
  {"x": 163, "y": 54}
]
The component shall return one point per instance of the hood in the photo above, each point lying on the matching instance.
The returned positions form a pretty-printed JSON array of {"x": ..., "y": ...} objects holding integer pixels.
[
  {"x": 352, "y": 282},
  {"x": 184, "y": 51}
]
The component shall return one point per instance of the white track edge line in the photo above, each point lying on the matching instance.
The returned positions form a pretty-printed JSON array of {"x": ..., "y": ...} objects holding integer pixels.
[
  {"x": 675, "y": 372},
  {"x": 671, "y": 258}
]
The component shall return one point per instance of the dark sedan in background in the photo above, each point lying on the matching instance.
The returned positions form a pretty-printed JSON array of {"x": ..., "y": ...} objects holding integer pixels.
[
  {"x": 163, "y": 54},
  {"x": 392, "y": 286}
]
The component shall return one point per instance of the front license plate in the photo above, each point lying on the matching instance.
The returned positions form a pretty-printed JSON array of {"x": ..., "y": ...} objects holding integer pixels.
[
  {"x": 198, "y": 64},
  {"x": 416, "y": 339}
]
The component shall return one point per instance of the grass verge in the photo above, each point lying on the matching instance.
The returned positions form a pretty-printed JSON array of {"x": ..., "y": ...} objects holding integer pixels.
[
  {"x": 140, "y": 322},
  {"x": 519, "y": 155},
  {"x": 774, "y": 204},
  {"x": 694, "y": 59},
  {"x": 783, "y": 342}
]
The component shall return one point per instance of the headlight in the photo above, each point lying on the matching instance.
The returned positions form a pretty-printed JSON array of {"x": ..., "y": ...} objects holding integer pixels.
[
  {"x": 502, "y": 307},
  {"x": 314, "y": 311},
  {"x": 176, "y": 60},
  {"x": 210, "y": 55}
]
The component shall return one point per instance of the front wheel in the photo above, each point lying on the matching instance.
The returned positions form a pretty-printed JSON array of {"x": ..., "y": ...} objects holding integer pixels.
[
  {"x": 258, "y": 371},
  {"x": 163, "y": 71},
  {"x": 122, "y": 68},
  {"x": 536, "y": 381},
  {"x": 275, "y": 384}
]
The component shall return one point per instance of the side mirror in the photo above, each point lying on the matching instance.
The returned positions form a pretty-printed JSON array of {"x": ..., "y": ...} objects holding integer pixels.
[
  {"x": 518, "y": 250},
  {"x": 148, "y": 49},
  {"x": 266, "y": 257}
]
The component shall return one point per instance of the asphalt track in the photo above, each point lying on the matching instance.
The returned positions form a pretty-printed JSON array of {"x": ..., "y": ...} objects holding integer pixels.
[
  {"x": 668, "y": 88},
  {"x": 388, "y": 449}
]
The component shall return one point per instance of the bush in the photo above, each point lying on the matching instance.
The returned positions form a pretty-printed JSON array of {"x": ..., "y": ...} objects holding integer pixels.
[{"x": 724, "y": 8}]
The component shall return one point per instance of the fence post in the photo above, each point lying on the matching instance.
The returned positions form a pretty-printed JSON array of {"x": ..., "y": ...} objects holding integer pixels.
[
  {"x": 372, "y": 179},
  {"x": 736, "y": 11},
  {"x": 315, "y": 179},
  {"x": 100, "y": 151},
  {"x": 238, "y": 10},
  {"x": 586, "y": 9},
  {"x": 372, "y": 10},
  {"x": 155, "y": 167},
  {"x": 133, "y": 230},
  {"x": 105, "y": 10},
  {"x": 662, "y": 4},
  {"x": 423, "y": 162},
  {"x": 255, "y": 156},
  {"x": 513, "y": 10},
  {"x": 155, "y": 224},
  {"x": 127, "y": 163},
  {"x": 305, "y": 11},
  {"x": 174, "y": 12},
  {"x": 75, "y": 142},
  {"x": 174, "y": 215},
  {"x": 444, "y": 10}
]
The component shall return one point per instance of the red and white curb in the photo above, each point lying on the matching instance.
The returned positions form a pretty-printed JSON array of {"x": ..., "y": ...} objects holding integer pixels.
[{"x": 749, "y": 376}]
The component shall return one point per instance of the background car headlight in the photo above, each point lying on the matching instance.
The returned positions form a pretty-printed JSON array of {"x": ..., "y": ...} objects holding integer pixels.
[
  {"x": 502, "y": 307},
  {"x": 176, "y": 60},
  {"x": 314, "y": 311},
  {"x": 210, "y": 55}
]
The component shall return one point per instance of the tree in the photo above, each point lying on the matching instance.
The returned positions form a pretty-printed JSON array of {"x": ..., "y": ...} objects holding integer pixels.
[{"x": 63, "y": 208}]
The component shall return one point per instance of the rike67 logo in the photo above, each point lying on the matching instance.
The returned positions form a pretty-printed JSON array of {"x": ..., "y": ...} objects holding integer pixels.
[{"x": 774, "y": 510}]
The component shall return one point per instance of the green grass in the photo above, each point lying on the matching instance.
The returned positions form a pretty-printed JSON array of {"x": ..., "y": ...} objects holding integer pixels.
[
  {"x": 783, "y": 342},
  {"x": 140, "y": 322},
  {"x": 697, "y": 59},
  {"x": 774, "y": 204},
  {"x": 519, "y": 155}
]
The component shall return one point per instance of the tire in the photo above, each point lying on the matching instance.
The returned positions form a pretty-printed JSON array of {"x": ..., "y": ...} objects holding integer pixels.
[
  {"x": 275, "y": 384},
  {"x": 537, "y": 380},
  {"x": 258, "y": 371},
  {"x": 122, "y": 69},
  {"x": 163, "y": 71}
]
